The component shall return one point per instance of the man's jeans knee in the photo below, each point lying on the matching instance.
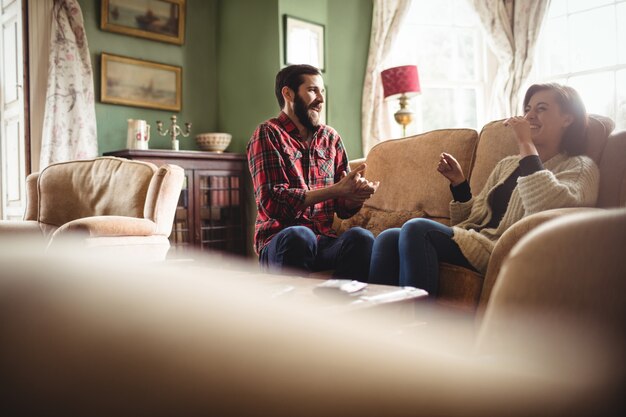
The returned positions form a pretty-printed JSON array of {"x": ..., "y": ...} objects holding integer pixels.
[
  {"x": 298, "y": 248},
  {"x": 353, "y": 257},
  {"x": 294, "y": 247}
]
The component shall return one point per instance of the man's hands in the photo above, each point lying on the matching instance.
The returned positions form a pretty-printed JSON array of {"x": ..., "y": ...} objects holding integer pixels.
[
  {"x": 451, "y": 169},
  {"x": 521, "y": 127},
  {"x": 354, "y": 188}
]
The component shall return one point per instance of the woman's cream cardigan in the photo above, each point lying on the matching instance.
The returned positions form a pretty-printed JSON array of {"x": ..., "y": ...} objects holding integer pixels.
[{"x": 567, "y": 181}]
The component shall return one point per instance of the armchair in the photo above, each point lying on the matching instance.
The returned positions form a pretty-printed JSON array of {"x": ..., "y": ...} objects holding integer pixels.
[{"x": 119, "y": 206}]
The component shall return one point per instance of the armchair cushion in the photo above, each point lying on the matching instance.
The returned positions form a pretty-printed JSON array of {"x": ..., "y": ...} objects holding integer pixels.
[
  {"x": 104, "y": 186},
  {"x": 98, "y": 226}
]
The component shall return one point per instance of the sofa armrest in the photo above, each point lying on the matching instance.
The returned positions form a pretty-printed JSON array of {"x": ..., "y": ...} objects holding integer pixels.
[
  {"x": 510, "y": 239},
  {"x": 20, "y": 228},
  {"x": 100, "y": 226},
  {"x": 355, "y": 163}
]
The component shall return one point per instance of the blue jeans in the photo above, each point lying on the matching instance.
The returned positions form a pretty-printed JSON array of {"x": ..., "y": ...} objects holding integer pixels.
[
  {"x": 298, "y": 248},
  {"x": 411, "y": 255}
]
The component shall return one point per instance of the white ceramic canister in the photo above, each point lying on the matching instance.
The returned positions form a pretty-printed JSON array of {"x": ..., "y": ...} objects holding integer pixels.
[{"x": 138, "y": 134}]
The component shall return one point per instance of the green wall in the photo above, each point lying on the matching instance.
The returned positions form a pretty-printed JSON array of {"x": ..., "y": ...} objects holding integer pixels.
[
  {"x": 248, "y": 60},
  {"x": 348, "y": 31},
  {"x": 232, "y": 52}
]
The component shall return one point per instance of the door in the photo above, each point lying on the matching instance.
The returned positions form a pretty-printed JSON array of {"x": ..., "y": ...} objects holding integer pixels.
[{"x": 12, "y": 138}]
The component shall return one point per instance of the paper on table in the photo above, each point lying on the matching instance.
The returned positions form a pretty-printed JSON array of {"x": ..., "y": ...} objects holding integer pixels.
[
  {"x": 344, "y": 285},
  {"x": 399, "y": 294}
]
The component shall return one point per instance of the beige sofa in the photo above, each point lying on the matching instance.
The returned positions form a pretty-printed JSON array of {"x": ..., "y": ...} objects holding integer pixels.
[
  {"x": 112, "y": 204},
  {"x": 411, "y": 187}
]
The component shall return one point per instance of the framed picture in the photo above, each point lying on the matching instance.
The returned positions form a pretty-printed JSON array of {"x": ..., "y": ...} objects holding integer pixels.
[
  {"x": 304, "y": 42},
  {"x": 160, "y": 20},
  {"x": 133, "y": 82}
]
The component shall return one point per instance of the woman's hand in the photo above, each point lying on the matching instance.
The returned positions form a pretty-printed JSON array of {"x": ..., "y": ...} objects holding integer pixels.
[
  {"x": 451, "y": 169},
  {"x": 521, "y": 127}
]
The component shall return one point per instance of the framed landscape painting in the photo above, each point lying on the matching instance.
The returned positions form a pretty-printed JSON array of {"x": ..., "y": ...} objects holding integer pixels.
[
  {"x": 160, "y": 20},
  {"x": 134, "y": 82}
]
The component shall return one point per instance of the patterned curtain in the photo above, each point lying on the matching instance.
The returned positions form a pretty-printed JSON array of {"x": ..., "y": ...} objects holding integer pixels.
[
  {"x": 69, "y": 127},
  {"x": 512, "y": 28},
  {"x": 386, "y": 20}
]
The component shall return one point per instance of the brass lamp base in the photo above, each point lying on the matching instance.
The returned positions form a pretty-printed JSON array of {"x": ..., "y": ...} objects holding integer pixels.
[{"x": 404, "y": 116}]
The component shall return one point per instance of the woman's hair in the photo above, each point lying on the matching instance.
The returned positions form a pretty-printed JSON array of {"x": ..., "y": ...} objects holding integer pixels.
[{"x": 574, "y": 140}]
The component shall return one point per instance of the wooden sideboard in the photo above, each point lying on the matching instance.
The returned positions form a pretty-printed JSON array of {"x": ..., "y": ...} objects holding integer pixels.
[{"x": 211, "y": 212}]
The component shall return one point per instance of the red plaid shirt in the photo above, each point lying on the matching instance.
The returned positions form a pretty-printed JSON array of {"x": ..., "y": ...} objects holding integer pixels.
[{"x": 284, "y": 167}]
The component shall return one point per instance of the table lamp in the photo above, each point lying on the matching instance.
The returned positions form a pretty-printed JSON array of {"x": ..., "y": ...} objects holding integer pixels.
[{"x": 401, "y": 83}]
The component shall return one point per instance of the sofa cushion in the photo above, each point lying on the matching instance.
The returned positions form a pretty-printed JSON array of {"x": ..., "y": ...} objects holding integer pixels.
[
  {"x": 597, "y": 134},
  {"x": 495, "y": 142},
  {"x": 613, "y": 172},
  {"x": 406, "y": 169},
  {"x": 376, "y": 220}
]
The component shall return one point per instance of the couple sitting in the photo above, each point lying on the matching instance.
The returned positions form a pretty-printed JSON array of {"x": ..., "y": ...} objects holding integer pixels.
[{"x": 301, "y": 179}]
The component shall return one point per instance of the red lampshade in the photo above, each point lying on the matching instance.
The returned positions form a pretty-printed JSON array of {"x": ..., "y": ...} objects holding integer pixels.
[{"x": 401, "y": 80}]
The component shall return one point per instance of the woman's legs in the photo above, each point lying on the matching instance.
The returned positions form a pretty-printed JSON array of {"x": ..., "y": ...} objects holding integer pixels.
[
  {"x": 422, "y": 244},
  {"x": 385, "y": 262}
]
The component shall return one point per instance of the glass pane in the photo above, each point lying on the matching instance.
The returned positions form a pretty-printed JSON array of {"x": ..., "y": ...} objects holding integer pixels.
[
  {"x": 438, "y": 12},
  {"x": 466, "y": 55},
  {"x": 464, "y": 15},
  {"x": 183, "y": 200},
  {"x": 437, "y": 104},
  {"x": 219, "y": 191},
  {"x": 620, "y": 114},
  {"x": 465, "y": 108},
  {"x": 578, "y": 5},
  {"x": 621, "y": 32},
  {"x": 597, "y": 92},
  {"x": 592, "y": 39},
  {"x": 404, "y": 51},
  {"x": 436, "y": 53},
  {"x": 554, "y": 44},
  {"x": 557, "y": 8}
]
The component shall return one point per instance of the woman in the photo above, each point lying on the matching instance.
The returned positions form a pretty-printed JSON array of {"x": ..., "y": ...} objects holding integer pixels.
[{"x": 549, "y": 172}]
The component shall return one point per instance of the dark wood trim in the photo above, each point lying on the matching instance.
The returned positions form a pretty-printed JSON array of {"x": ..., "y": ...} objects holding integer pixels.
[{"x": 166, "y": 153}]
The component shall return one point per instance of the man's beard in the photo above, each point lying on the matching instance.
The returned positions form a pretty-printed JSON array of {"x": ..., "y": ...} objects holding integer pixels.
[{"x": 302, "y": 112}]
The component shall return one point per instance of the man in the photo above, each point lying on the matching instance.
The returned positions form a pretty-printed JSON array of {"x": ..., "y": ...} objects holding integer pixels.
[{"x": 299, "y": 170}]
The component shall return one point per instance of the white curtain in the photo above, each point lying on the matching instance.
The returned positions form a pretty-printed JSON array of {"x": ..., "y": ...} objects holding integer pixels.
[
  {"x": 69, "y": 127},
  {"x": 512, "y": 28},
  {"x": 386, "y": 20}
]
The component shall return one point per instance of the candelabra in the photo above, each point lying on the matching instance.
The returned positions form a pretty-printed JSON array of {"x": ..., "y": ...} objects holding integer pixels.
[{"x": 174, "y": 131}]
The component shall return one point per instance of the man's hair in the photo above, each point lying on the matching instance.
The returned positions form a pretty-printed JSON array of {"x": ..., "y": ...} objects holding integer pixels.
[
  {"x": 574, "y": 140},
  {"x": 291, "y": 77}
]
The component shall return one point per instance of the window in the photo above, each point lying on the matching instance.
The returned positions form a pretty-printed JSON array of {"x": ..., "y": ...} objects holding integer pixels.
[
  {"x": 443, "y": 38},
  {"x": 583, "y": 44}
]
